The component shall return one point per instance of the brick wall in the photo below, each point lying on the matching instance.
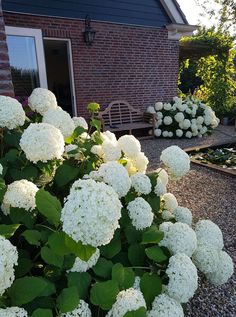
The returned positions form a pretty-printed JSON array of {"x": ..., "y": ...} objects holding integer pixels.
[
  {"x": 138, "y": 64},
  {"x": 6, "y": 87}
]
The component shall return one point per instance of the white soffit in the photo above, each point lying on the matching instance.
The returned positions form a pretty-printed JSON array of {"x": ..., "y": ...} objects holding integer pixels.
[
  {"x": 172, "y": 11},
  {"x": 176, "y": 31}
]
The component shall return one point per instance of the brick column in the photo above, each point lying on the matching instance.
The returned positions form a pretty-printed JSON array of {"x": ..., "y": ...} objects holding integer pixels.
[{"x": 6, "y": 87}]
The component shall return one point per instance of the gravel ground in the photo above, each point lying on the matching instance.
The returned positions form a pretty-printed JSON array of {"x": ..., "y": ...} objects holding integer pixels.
[{"x": 210, "y": 195}]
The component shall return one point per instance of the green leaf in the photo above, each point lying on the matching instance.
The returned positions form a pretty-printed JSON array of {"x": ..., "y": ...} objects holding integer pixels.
[
  {"x": 12, "y": 155},
  {"x": 151, "y": 286},
  {"x": 103, "y": 268},
  {"x": 80, "y": 280},
  {"x": 84, "y": 252},
  {"x": 32, "y": 237},
  {"x": 141, "y": 312},
  {"x": 153, "y": 178},
  {"x": 113, "y": 248},
  {"x": 136, "y": 254},
  {"x": 154, "y": 201},
  {"x": 103, "y": 294},
  {"x": 19, "y": 215},
  {"x": 65, "y": 174},
  {"x": 8, "y": 230},
  {"x": 124, "y": 276},
  {"x": 30, "y": 173},
  {"x": 49, "y": 206},
  {"x": 132, "y": 235},
  {"x": 152, "y": 235},
  {"x": 3, "y": 189},
  {"x": 57, "y": 242},
  {"x": 24, "y": 266},
  {"x": 12, "y": 138},
  {"x": 96, "y": 124},
  {"x": 156, "y": 254},
  {"x": 68, "y": 299},
  {"x": 25, "y": 289},
  {"x": 40, "y": 312},
  {"x": 50, "y": 257}
]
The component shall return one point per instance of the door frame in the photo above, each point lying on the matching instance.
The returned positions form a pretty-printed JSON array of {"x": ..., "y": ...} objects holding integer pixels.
[
  {"x": 37, "y": 35},
  {"x": 71, "y": 69}
]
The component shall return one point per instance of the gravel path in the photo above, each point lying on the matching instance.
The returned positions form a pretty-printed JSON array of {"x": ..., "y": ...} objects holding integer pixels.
[{"x": 210, "y": 195}]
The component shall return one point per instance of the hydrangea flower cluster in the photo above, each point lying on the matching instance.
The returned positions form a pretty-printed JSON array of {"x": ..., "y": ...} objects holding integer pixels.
[
  {"x": 188, "y": 118},
  {"x": 12, "y": 114},
  {"x": 141, "y": 183},
  {"x": 183, "y": 214},
  {"x": 41, "y": 100},
  {"x": 165, "y": 306},
  {"x": 82, "y": 310},
  {"x": 170, "y": 202},
  {"x": 84, "y": 266},
  {"x": 91, "y": 212},
  {"x": 42, "y": 142},
  {"x": 20, "y": 194},
  {"x": 8, "y": 259},
  {"x": 13, "y": 312},
  {"x": 80, "y": 122},
  {"x": 140, "y": 213}
]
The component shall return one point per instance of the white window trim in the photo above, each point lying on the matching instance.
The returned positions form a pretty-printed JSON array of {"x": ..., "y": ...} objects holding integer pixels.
[{"x": 37, "y": 34}]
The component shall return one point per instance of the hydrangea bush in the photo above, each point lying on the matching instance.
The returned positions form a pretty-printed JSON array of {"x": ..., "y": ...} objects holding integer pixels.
[
  {"x": 183, "y": 119},
  {"x": 84, "y": 231}
]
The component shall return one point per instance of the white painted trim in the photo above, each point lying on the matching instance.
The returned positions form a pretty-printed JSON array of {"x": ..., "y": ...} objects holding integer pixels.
[
  {"x": 71, "y": 70},
  {"x": 37, "y": 34},
  {"x": 176, "y": 31},
  {"x": 172, "y": 11}
]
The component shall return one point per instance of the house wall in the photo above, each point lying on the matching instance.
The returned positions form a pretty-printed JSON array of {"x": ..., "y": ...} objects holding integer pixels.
[
  {"x": 6, "y": 87},
  {"x": 134, "y": 63}
]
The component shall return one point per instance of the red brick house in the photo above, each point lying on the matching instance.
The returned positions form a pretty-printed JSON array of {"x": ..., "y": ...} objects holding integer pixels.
[{"x": 134, "y": 55}]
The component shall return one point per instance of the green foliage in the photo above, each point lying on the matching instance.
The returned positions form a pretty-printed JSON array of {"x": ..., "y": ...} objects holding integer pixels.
[{"x": 103, "y": 294}]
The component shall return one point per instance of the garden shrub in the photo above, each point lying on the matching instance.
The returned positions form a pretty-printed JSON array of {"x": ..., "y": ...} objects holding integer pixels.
[{"x": 84, "y": 231}]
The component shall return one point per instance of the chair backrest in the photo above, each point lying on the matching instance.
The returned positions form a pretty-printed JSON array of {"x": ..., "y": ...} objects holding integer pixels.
[{"x": 120, "y": 112}]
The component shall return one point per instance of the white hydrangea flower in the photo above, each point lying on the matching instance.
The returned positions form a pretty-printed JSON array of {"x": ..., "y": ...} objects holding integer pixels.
[
  {"x": 183, "y": 214},
  {"x": 165, "y": 227},
  {"x": 137, "y": 283},
  {"x": 170, "y": 202},
  {"x": 188, "y": 134},
  {"x": 177, "y": 100},
  {"x": 42, "y": 142},
  {"x": 83, "y": 266},
  {"x": 224, "y": 271},
  {"x": 200, "y": 120},
  {"x": 186, "y": 124},
  {"x": 167, "y": 120},
  {"x": 203, "y": 130},
  {"x": 129, "y": 145},
  {"x": 8, "y": 259},
  {"x": 91, "y": 212},
  {"x": 188, "y": 110},
  {"x": 1, "y": 169},
  {"x": 160, "y": 188},
  {"x": 97, "y": 150},
  {"x": 108, "y": 136},
  {"x": 179, "y": 133},
  {"x": 82, "y": 310},
  {"x": 208, "y": 233},
  {"x": 140, "y": 162},
  {"x": 179, "y": 117},
  {"x": 165, "y": 134},
  {"x": 165, "y": 306},
  {"x": 159, "y": 115},
  {"x": 163, "y": 175},
  {"x": 151, "y": 109},
  {"x": 176, "y": 160},
  {"x": 59, "y": 119},
  {"x": 167, "y": 215},
  {"x": 183, "y": 278},
  {"x": 13, "y": 312},
  {"x": 80, "y": 122},
  {"x": 12, "y": 114},
  {"x": 170, "y": 135},
  {"x": 111, "y": 151},
  {"x": 157, "y": 132},
  {"x": 141, "y": 183},
  {"x": 158, "y": 106},
  {"x": 140, "y": 213},
  {"x": 126, "y": 301},
  {"x": 20, "y": 194},
  {"x": 180, "y": 238},
  {"x": 206, "y": 258},
  {"x": 41, "y": 100},
  {"x": 182, "y": 106},
  {"x": 115, "y": 175},
  {"x": 167, "y": 106}
]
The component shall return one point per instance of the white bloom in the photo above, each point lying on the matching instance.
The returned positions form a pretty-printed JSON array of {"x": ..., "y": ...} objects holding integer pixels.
[
  {"x": 137, "y": 283},
  {"x": 108, "y": 136},
  {"x": 179, "y": 117},
  {"x": 170, "y": 202},
  {"x": 1, "y": 169},
  {"x": 179, "y": 133},
  {"x": 170, "y": 134},
  {"x": 181, "y": 106},
  {"x": 188, "y": 110},
  {"x": 158, "y": 123},
  {"x": 158, "y": 106},
  {"x": 80, "y": 122},
  {"x": 166, "y": 215},
  {"x": 141, "y": 162},
  {"x": 141, "y": 183},
  {"x": 42, "y": 142},
  {"x": 13, "y": 312},
  {"x": 83, "y": 266},
  {"x": 20, "y": 194},
  {"x": 151, "y": 109},
  {"x": 82, "y": 310},
  {"x": 115, "y": 175},
  {"x": 129, "y": 145},
  {"x": 224, "y": 270},
  {"x": 91, "y": 212},
  {"x": 163, "y": 175},
  {"x": 159, "y": 115},
  {"x": 140, "y": 213},
  {"x": 157, "y": 132},
  {"x": 183, "y": 279},
  {"x": 12, "y": 114},
  {"x": 73, "y": 147},
  {"x": 188, "y": 134},
  {"x": 167, "y": 120},
  {"x": 208, "y": 233},
  {"x": 41, "y": 100},
  {"x": 8, "y": 259},
  {"x": 165, "y": 227},
  {"x": 186, "y": 124},
  {"x": 160, "y": 188},
  {"x": 180, "y": 238},
  {"x": 200, "y": 120},
  {"x": 97, "y": 150},
  {"x": 165, "y": 306},
  {"x": 111, "y": 151},
  {"x": 194, "y": 128},
  {"x": 206, "y": 258},
  {"x": 176, "y": 160},
  {"x": 183, "y": 214},
  {"x": 203, "y": 130},
  {"x": 59, "y": 119},
  {"x": 167, "y": 106},
  {"x": 126, "y": 301},
  {"x": 165, "y": 134},
  {"x": 177, "y": 100}
]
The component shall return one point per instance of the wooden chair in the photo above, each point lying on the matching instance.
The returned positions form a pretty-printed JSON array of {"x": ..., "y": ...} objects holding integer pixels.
[{"x": 121, "y": 116}]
